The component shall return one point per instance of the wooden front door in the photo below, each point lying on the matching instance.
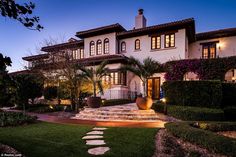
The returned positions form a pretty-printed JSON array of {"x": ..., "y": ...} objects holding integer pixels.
[{"x": 153, "y": 87}]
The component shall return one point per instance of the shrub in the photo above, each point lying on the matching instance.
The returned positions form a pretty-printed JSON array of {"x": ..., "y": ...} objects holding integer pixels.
[
  {"x": 112, "y": 102},
  {"x": 15, "y": 118},
  {"x": 50, "y": 92},
  {"x": 230, "y": 113},
  {"x": 228, "y": 94},
  {"x": 191, "y": 113},
  {"x": 193, "y": 93},
  {"x": 204, "y": 138},
  {"x": 217, "y": 126},
  {"x": 46, "y": 108}
]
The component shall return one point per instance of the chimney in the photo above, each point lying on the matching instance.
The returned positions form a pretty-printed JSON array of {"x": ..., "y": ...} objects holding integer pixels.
[{"x": 140, "y": 20}]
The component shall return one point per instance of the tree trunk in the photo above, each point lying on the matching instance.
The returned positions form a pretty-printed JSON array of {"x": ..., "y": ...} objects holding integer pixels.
[
  {"x": 144, "y": 89},
  {"x": 94, "y": 89}
]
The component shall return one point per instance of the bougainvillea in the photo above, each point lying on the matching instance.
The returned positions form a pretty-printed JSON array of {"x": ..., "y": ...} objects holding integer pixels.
[{"x": 206, "y": 69}]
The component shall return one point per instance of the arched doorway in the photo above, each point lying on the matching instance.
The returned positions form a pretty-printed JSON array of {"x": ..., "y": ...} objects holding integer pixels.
[
  {"x": 230, "y": 75},
  {"x": 190, "y": 76}
]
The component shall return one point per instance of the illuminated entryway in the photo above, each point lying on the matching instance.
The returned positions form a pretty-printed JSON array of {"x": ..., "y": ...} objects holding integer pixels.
[
  {"x": 230, "y": 75},
  {"x": 153, "y": 87}
]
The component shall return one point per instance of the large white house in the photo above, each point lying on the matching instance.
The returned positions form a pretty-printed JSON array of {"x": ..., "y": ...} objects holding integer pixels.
[{"x": 163, "y": 42}]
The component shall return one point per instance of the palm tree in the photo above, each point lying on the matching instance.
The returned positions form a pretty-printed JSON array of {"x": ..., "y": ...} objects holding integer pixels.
[
  {"x": 143, "y": 70},
  {"x": 94, "y": 76}
]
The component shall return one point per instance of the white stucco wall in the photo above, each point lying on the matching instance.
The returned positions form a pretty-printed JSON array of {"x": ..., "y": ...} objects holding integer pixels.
[
  {"x": 162, "y": 55},
  {"x": 226, "y": 47},
  {"x": 112, "y": 44}
]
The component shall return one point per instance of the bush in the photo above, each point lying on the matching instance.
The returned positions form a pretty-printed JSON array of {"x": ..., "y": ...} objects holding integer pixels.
[
  {"x": 113, "y": 102},
  {"x": 46, "y": 108},
  {"x": 228, "y": 94},
  {"x": 193, "y": 93},
  {"x": 204, "y": 138},
  {"x": 15, "y": 118},
  {"x": 191, "y": 113},
  {"x": 230, "y": 113},
  {"x": 217, "y": 126},
  {"x": 50, "y": 92}
]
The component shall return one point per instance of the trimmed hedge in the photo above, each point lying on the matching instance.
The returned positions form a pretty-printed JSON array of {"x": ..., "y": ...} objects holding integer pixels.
[
  {"x": 217, "y": 126},
  {"x": 230, "y": 113},
  {"x": 113, "y": 102},
  {"x": 190, "y": 113},
  {"x": 193, "y": 93},
  {"x": 15, "y": 118},
  {"x": 228, "y": 94},
  {"x": 207, "y": 139}
]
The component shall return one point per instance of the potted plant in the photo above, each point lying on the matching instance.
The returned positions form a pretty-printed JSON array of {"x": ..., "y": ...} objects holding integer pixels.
[
  {"x": 94, "y": 76},
  {"x": 143, "y": 70}
]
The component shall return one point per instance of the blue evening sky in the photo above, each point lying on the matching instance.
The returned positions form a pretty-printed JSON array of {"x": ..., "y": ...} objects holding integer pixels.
[{"x": 63, "y": 18}]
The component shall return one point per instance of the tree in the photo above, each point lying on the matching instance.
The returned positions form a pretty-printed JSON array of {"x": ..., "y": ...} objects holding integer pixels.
[
  {"x": 7, "y": 86},
  {"x": 94, "y": 76},
  {"x": 21, "y": 13},
  {"x": 29, "y": 86},
  {"x": 143, "y": 70}
]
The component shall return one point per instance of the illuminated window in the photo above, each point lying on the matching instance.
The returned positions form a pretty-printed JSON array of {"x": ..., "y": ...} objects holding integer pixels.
[
  {"x": 156, "y": 42},
  {"x": 115, "y": 78},
  {"x": 123, "y": 46},
  {"x": 92, "y": 48},
  {"x": 209, "y": 50},
  {"x": 106, "y": 46},
  {"x": 99, "y": 47},
  {"x": 81, "y": 53},
  {"x": 169, "y": 40},
  {"x": 137, "y": 44}
]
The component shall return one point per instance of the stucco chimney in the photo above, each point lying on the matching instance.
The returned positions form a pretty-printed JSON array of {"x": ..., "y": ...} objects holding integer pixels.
[{"x": 140, "y": 20}]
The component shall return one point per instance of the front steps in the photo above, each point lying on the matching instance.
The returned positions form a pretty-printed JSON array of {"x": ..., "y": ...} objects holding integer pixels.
[{"x": 127, "y": 112}]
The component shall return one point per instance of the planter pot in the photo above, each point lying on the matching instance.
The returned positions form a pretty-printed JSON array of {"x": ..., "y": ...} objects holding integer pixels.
[
  {"x": 94, "y": 102},
  {"x": 144, "y": 103}
]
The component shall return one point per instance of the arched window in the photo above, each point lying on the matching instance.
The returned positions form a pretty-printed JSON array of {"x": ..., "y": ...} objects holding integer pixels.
[
  {"x": 123, "y": 46},
  {"x": 92, "y": 48},
  {"x": 191, "y": 76},
  {"x": 99, "y": 47},
  {"x": 137, "y": 44},
  {"x": 106, "y": 46}
]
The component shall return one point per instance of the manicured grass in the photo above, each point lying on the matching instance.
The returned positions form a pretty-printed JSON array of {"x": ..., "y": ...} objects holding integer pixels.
[{"x": 49, "y": 140}]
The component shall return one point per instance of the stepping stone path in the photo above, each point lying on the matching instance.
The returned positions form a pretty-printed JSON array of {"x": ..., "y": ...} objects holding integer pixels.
[{"x": 95, "y": 138}]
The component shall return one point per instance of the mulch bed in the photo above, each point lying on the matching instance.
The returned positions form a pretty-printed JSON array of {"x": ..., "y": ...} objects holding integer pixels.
[{"x": 169, "y": 146}]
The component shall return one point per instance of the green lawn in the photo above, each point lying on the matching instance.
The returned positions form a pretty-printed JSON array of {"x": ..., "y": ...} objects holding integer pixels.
[{"x": 49, "y": 140}]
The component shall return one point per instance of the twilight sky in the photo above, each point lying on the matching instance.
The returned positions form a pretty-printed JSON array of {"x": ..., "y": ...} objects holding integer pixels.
[{"x": 63, "y": 18}]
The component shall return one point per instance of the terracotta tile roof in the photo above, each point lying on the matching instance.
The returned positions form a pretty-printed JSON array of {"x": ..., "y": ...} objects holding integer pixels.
[
  {"x": 216, "y": 34},
  {"x": 70, "y": 44},
  {"x": 35, "y": 57},
  {"x": 189, "y": 24},
  {"x": 100, "y": 30}
]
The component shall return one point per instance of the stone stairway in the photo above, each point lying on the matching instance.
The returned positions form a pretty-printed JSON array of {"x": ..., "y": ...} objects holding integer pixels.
[{"x": 128, "y": 112}]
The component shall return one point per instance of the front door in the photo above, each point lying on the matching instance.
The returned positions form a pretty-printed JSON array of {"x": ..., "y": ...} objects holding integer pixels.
[{"x": 153, "y": 87}]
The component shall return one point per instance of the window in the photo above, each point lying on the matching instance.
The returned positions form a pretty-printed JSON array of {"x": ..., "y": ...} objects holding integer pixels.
[
  {"x": 106, "y": 46},
  {"x": 137, "y": 44},
  {"x": 99, "y": 47},
  {"x": 209, "y": 50},
  {"x": 169, "y": 40},
  {"x": 92, "y": 48},
  {"x": 75, "y": 54},
  {"x": 81, "y": 53},
  {"x": 156, "y": 42},
  {"x": 123, "y": 46},
  {"x": 115, "y": 78}
]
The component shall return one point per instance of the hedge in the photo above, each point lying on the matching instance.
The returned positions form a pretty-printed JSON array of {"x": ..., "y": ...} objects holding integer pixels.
[
  {"x": 228, "y": 94},
  {"x": 204, "y": 138},
  {"x": 230, "y": 113},
  {"x": 191, "y": 113},
  {"x": 15, "y": 119},
  {"x": 217, "y": 126},
  {"x": 112, "y": 102},
  {"x": 193, "y": 93}
]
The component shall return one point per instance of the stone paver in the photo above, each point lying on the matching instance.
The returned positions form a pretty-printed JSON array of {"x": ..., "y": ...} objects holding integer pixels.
[
  {"x": 99, "y": 129},
  {"x": 92, "y": 137},
  {"x": 95, "y": 133},
  {"x": 95, "y": 142},
  {"x": 98, "y": 150}
]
